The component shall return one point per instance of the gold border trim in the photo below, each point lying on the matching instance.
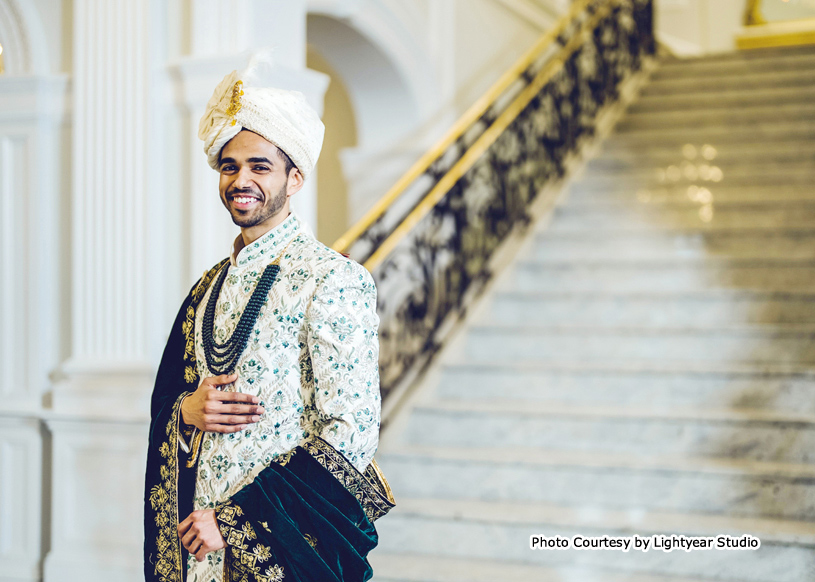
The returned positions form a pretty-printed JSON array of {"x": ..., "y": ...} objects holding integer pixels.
[{"x": 371, "y": 489}]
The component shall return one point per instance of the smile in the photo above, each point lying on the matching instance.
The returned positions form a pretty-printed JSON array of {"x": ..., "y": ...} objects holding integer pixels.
[{"x": 244, "y": 200}]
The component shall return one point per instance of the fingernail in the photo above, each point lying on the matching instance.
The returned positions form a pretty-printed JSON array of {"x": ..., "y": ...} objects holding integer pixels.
[
  {"x": 261, "y": 410},
  {"x": 255, "y": 418}
]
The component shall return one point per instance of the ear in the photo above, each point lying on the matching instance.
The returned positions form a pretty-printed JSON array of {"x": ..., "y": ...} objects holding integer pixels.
[{"x": 294, "y": 182}]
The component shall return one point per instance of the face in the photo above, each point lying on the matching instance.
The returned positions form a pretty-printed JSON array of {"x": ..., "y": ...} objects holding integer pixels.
[{"x": 254, "y": 185}]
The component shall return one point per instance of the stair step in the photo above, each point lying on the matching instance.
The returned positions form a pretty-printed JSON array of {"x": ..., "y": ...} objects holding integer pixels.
[
  {"x": 735, "y": 98},
  {"x": 758, "y": 131},
  {"x": 747, "y": 344},
  {"x": 599, "y": 460},
  {"x": 724, "y": 116},
  {"x": 696, "y": 171},
  {"x": 701, "y": 86},
  {"x": 696, "y": 310},
  {"x": 740, "y": 55},
  {"x": 756, "y": 243},
  {"x": 581, "y": 479},
  {"x": 653, "y": 181},
  {"x": 620, "y": 386},
  {"x": 692, "y": 68},
  {"x": 470, "y": 530},
  {"x": 758, "y": 435},
  {"x": 656, "y": 217},
  {"x": 736, "y": 156},
  {"x": 722, "y": 193},
  {"x": 425, "y": 568},
  {"x": 665, "y": 275}
]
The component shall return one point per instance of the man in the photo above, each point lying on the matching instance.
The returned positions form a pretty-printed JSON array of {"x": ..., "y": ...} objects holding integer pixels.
[{"x": 265, "y": 413}]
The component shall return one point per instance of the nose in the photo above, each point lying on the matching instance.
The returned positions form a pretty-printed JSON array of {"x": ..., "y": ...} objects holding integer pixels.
[{"x": 243, "y": 179}]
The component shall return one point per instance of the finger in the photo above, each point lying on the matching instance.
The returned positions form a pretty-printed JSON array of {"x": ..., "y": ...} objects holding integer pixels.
[
  {"x": 248, "y": 409},
  {"x": 201, "y": 554},
  {"x": 233, "y": 397},
  {"x": 195, "y": 546},
  {"x": 184, "y": 526},
  {"x": 216, "y": 419},
  {"x": 217, "y": 407},
  {"x": 188, "y": 539},
  {"x": 225, "y": 428}
]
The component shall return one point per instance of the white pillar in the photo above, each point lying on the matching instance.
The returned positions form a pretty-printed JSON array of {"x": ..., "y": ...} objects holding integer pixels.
[
  {"x": 109, "y": 366},
  {"x": 101, "y": 394},
  {"x": 31, "y": 113}
]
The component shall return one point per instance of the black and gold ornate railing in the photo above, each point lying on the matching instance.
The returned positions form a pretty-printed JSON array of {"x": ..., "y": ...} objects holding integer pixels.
[{"x": 429, "y": 240}]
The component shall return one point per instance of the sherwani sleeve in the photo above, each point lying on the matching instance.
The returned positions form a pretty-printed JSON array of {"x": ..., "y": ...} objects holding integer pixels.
[{"x": 343, "y": 343}]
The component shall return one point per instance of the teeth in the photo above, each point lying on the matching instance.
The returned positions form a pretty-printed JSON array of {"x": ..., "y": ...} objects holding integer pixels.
[{"x": 243, "y": 199}]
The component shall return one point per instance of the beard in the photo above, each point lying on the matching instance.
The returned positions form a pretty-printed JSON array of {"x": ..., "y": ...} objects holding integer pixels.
[{"x": 271, "y": 207}]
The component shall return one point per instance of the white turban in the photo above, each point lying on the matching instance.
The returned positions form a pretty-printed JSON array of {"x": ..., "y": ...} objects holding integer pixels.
[{"x": 282, "y": 117}]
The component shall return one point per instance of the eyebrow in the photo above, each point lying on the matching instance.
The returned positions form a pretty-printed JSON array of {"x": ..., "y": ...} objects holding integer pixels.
[{"x": 250, "y": 160}]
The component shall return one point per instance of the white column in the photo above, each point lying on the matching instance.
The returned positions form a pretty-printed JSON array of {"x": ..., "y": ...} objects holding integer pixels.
[
  {"x": 20, "y": 498},
  {"x": 31, "y": 112},
  {"x": 98, "y": 423},
  {"x": 109, "y": 365},
  {"x": 96, "y": 500}
]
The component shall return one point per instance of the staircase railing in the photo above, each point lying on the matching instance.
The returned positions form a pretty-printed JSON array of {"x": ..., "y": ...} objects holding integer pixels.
[{"x": 429, "y": 240}]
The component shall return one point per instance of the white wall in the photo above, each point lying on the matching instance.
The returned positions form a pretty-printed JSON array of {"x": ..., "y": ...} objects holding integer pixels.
[{"x": 697, "y": 27}]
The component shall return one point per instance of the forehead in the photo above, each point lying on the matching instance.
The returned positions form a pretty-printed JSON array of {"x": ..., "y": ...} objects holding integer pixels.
[{"x": 248, "y": 144}]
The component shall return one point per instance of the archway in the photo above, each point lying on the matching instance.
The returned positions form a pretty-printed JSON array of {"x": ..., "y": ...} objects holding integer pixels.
[
  {"x": 340, "y": 133},
  {"x": 387, "y": 101},
  {"x": 22, "y": 39}
]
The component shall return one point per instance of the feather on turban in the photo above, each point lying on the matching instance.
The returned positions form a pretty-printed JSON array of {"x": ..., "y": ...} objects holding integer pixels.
[{"x": 282, "y": 117}]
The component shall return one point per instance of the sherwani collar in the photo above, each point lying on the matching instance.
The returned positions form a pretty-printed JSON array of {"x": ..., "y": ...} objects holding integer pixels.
[{"x": 268, "y": 246}]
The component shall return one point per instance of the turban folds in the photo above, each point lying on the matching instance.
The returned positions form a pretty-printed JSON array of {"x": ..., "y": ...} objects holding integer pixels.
[{"x": 282, "y": 117}]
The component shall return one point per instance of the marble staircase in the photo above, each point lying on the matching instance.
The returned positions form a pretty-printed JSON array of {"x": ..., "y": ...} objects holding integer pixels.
[{"x": 647, "y": 365}]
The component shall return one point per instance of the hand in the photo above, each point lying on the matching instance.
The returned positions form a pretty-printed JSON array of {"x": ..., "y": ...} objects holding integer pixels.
[
  {"x": 212, "y": 410},
  {"x": 199, "y": 534}
]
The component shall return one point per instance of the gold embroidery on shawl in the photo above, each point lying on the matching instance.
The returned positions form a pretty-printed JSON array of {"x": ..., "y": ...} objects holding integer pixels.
[
  {"x": 244, "y": 559},
  {"x": 195, "y": 448},
  {"x": 164, "y": 496},
  {"x": 164, "y": 501},
  {"x": 312, "y": 541}
]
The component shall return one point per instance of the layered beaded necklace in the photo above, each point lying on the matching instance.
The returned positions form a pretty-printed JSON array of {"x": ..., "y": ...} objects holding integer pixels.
[{"x": 222, "y": 358}]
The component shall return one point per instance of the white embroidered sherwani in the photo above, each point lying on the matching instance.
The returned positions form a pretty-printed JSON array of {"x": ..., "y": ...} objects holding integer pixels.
[{"x": 312, "y": 359}]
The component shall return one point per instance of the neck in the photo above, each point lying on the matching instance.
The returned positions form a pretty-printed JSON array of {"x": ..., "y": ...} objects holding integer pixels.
[{"x": 251, "y": 233}]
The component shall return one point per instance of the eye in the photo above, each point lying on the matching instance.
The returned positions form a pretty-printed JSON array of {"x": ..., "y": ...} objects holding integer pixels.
[
  {"x": 228, "y": 168},
  {"x": 260, "y": 169}
]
